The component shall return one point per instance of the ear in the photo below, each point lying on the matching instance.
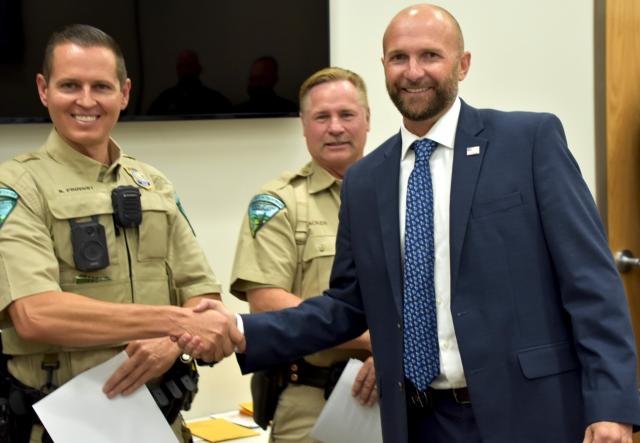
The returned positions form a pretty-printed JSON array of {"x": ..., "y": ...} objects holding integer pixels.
[
  {"x": 368, "y": 116},
  {"x": 465, "y": 63},
  {"x": 126, "y": 90},
  {"x": 302, "y": 121},
  {"x": 41, "y": 83}
]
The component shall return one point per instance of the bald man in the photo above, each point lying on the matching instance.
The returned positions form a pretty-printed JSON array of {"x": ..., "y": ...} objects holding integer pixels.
[{"x": 472, "y": 248}]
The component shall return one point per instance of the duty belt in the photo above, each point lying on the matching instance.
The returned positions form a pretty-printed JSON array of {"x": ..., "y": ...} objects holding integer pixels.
[{"x": 301, "y": 372}]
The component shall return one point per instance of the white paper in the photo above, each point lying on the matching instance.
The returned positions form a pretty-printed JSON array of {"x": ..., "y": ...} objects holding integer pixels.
[
  {"x": 343, "y": 419},
  {"x": 79, "y": 412}
]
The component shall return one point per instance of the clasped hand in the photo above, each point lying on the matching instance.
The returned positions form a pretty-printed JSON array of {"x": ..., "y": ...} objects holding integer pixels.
[{"x": 211, "y": 333}]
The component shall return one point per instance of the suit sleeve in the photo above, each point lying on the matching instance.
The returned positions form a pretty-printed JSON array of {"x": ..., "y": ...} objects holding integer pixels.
[
  {"x": 591, "y": 290},
  {"x": 317, "y": 323}
]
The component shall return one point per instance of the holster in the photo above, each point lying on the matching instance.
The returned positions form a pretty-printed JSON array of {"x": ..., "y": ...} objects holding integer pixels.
[
  {"x": 176, "y": 390},
  {"x": 17, "y": 417},
  {"x": 267, "y": 385}
]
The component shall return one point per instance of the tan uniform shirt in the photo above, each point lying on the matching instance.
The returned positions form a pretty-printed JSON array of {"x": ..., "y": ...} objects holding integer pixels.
[
  {"x": 270, "y": 258},
  {"x": 157, "y": 263}
]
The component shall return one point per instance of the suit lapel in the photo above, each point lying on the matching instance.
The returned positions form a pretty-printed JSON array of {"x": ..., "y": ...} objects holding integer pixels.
[
  {"x": 387, "y": 178},
  {"x": 466, "y": 168}
]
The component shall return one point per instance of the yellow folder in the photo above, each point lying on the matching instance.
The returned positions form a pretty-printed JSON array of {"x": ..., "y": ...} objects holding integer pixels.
[{"x": 219, "y": 429}]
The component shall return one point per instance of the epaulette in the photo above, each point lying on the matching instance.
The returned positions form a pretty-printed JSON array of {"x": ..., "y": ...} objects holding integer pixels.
[
  {"x": 22, "y": 158},
  {"x": 284, "y": 180}
]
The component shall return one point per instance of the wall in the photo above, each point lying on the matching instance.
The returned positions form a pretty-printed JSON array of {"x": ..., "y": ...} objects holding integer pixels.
[{"x": 526, "y": 55}]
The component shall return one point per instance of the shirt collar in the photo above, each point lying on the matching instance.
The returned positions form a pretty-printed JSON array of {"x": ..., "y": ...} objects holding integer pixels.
[
  {"x": 442, "y": 132},
  {"x": 319, "y": 178},
  {"x": 59, "y": 150}
]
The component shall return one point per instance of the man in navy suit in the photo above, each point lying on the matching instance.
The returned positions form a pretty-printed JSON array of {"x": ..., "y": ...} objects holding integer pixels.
[{"x": 533, "y": 333}]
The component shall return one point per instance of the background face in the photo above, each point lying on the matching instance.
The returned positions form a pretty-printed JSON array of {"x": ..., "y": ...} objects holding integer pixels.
[{"x": 335, "y": 125}]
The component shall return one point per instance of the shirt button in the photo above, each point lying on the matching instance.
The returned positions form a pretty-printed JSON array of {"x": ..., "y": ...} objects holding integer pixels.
[{"x": 438, "y": 301}]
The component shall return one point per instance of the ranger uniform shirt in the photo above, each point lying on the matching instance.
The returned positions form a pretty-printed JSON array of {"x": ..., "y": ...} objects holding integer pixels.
[
  {"x": 158, "y": 262},
  {"x": 268, "y": 256}
]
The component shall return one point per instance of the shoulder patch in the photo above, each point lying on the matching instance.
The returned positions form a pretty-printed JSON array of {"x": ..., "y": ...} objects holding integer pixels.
[
  {"x": 8, "y": 201},
  {"x": 184, "y": 213},
  {"x": 262, "y": 209}
]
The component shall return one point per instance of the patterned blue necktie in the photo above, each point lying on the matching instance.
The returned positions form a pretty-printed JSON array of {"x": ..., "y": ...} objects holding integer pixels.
[{"x": 421, "y": 350}]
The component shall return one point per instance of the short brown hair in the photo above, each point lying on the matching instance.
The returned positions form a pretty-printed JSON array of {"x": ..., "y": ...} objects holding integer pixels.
[
  {"x": 334, "y": 74},
  {"x": 85, "y": 36}
]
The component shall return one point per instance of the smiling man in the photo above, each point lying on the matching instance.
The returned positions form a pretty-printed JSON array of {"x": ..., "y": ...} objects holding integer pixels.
[
  {"x": 89, "y": 238},
  {"x": 287, "y": 244},
  {"x": 471, "y": 248}
]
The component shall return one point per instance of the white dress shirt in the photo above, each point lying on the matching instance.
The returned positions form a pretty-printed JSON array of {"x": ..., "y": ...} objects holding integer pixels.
[{"x": 443, "y": 132}]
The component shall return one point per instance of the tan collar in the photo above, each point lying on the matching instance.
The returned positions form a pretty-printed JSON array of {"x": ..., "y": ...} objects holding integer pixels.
[
  {"x": 319, "y": 178},
  {"x": 60, "y": 151}
]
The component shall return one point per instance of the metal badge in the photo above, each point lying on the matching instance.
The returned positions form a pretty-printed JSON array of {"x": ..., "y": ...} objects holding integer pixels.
[
  {"x": 138, "y": 177},
  {"x": 262, "y": 209},
  {"x": 8, "y": 201}
]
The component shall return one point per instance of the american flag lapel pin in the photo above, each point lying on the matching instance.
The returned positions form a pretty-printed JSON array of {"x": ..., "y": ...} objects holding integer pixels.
[{"x": 473, "y": 150}]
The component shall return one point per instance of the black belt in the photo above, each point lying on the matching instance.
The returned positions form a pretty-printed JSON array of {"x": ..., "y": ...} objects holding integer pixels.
[
  {"x": 302, "y": 373},
  {"x": 428, "y": 399}
]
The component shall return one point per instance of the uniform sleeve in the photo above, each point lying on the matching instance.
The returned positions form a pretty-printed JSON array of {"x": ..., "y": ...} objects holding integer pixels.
[
  {"x": 28, "y": 264},
  {"x": 191, "y": 273},
  {"x": 268, "y": 259}
]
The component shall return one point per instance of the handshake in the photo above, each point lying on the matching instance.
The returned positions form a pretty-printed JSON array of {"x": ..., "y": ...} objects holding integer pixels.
[{"x": 208, "y": 331}]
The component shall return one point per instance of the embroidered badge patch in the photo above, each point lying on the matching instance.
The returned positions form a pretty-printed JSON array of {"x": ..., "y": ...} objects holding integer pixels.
[
  {"x": 139, "y": 178},
  {"x": 8, "y": 201},
  {"x": 261, "y": 209}
]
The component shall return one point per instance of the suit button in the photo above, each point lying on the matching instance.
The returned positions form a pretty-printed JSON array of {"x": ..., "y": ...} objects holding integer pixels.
[
  {"x": 294, "y": 367},
  {"x": 399, "y": 325},
  {"x": 294, "y": 377},
  {"x": 400, "y": 385}
]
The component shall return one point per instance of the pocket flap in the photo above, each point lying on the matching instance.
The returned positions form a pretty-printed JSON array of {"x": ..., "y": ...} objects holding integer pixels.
[
  {"x": 152, "y": 201},
  {"x": 319, "y": 246},
  {"x": 548, "y": 360},
  {"x": 497, "y": 204},
  {"x": 78, "y": 206}
]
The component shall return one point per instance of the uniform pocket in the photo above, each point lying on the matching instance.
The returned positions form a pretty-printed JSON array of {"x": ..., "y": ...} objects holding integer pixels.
[
  {"x": 318, "y": 255},
  {"x": 319, "y": 246},
  {"x": 81, "y": 206},
  {"x": 154, "y": 230}
]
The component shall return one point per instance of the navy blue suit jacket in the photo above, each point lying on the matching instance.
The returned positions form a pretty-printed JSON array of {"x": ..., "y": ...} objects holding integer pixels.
[{"x": 538, "y": 307}]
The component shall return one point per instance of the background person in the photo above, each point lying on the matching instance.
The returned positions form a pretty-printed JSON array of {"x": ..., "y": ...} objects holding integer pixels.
[
  {"x": 287, "y": 243},
  {"x": 261, "y": 83}
]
